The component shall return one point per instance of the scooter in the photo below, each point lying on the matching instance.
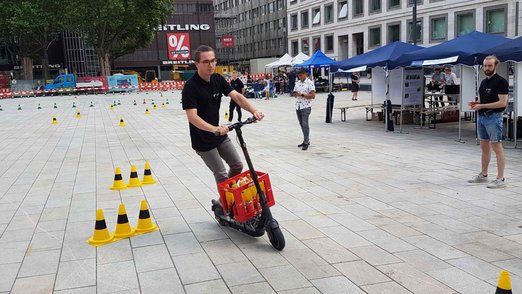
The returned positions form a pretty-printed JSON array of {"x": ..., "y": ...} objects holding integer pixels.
[{"x": 261, "y": 219}]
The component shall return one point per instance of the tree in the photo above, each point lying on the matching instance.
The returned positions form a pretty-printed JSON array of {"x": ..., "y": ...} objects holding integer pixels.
[
  {"x": 33, "y": 25},
  {"x": 118, "y": 27}
]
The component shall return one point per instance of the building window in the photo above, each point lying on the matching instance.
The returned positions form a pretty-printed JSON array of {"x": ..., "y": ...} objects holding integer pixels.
[
  {"x": 394, "y": 32},
  {"x": 374, "y": 39},
  {"x": 305, "y": 46},
  {"x": 394, "y": 4},
  {"x": 304, "y": 19},
  {"x": 329, "y": 43},
  {"x": 358, "y": 8},
  {"x": 295, "y": 48},
  {"x": 343, "y": 10},
  {"x": 375, "y": 6},
  {"x": 293, "y": 2},
  {"x": 293, "y": 22},
  {"x": 419, "y": 31},
  {"x": 465, "y": 23},
  {"x": 410, "y": 2},
  {"x": 328, "y": 13},
  {"x": 317, "y": 43},
  {"x": 495, "y": 21},
  {"x": 316, "y": 14},
  {"x": 439, "y": 28}
]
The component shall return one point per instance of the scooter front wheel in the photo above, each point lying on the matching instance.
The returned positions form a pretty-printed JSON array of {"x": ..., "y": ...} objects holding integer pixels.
[{"x": 275, "y": 235}]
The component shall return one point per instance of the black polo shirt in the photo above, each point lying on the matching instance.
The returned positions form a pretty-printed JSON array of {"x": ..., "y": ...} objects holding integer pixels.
[
  {"x": 206, "y": 98},
  {"x": 238, "y": 85},
  {"x": 489, "y": 90}
]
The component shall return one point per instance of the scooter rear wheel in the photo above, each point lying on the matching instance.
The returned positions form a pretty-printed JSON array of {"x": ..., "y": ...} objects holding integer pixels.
[{"x": 276, "y": 238}]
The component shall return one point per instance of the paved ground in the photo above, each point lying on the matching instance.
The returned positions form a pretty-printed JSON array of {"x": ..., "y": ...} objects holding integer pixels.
[{"x": 362, "y": 210}]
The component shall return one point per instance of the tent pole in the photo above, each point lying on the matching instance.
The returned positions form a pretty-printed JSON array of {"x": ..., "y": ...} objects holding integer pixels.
[
  {"x": 387, "y": 98},
  {"x": 402, "y": 103},
  {"x": 516, "y": 89},
  {"x": 459, "y": 99}
]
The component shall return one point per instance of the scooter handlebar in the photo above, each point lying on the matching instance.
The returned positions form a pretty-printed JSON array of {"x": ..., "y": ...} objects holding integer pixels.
[{"x": 239, "y": 124}]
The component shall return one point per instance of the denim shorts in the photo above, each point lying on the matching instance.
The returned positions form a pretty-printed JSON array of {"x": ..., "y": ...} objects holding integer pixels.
[{"x": 489, "y": 127}]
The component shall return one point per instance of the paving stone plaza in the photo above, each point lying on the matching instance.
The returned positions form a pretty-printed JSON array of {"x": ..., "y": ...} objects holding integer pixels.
[{"x": 362, "y": 210}]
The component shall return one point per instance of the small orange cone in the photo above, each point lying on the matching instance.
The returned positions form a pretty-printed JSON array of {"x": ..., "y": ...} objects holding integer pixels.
[
  {"x": 118, "y": 181},
  {"x": 122, "y": 123},
  {"x": 147, "y": 111},
  {"x": 145, "y": 224},
  {"x": 134, "y": 181},
  {"x": 504, "y": 283},
  {"x": 55, "y": 122},
  {"x": 101, "y": 234},
  {"x": 123, "y": 228},
  {"x": 147, "y": 175}
]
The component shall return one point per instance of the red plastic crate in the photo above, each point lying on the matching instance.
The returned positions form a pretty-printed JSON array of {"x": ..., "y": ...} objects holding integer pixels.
[{"x": 241, "y": 211}]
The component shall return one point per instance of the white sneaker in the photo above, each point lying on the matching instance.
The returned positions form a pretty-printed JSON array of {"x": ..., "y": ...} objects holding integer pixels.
[
  {"x": 478, "y": 179},
  {"x": 497, "y": 183}
]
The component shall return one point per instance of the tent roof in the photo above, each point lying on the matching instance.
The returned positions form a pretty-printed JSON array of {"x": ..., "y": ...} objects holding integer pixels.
[
  {"x": 300, "y": 58},
  {"x": 461, "y": 50},
  {"x": 284, "y": 60},
  {"x": 509, "y": 51},
  {"x": 383, "y": 56},
  {"x": 319, "y": 59}
]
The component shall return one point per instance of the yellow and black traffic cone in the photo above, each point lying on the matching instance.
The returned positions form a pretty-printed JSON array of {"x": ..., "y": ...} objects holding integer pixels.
[
  {"x": 78, "y": 115},
  {"x": 154, "y": 106},
  {"x": 55, "y": 105},
  {"x": 147, "y": 175},
  {"x": 101, "y": 234},
  {"x": 122, "y": 123},
  {"x": 504, "y": 283},
  {"x": 118, "y": 181},
  {"x": 39, "y": 107},
  {"x": 163, "y": 105},
  {"x": 134, "y": 181},
  {"x": 145, "y": 224},
  {"x": 226, "y": 115},
  {"x": 147, "y": 111},
  {"x": 112, "y": 107},
  {"x": 123, "y": 228},
  {"x": 74, "y": 105},
  {"x": 55, "y": 121},
  {"x": 19, "y": 107}
]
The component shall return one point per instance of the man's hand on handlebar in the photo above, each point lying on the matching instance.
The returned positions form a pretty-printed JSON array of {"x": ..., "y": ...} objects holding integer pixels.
[
  {"x": 221, "y": 130},
  {"x": 258, "y": 115}
]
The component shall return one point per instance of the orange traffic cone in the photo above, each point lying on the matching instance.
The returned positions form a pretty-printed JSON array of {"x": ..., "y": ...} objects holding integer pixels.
[
  {"x": 55, "y": 122},
  {"x": 504, "y": 283},
  {"x": 101, "y": 234},
  {"x": 118, "y": 181},
  {"x": 123, "y": 228},
  {"x": 145, "y": 224},
  {"x": 147, "y": 175},
  {"x": 134, "y": 181}
]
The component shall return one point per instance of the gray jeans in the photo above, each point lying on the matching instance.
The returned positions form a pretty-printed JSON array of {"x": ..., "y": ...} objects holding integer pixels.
[
  {"x": 213, "y": 160},
  {"x": 302, "y": 117}
]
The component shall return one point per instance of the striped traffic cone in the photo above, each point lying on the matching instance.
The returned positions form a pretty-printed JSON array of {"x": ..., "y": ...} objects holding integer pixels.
[
  {"x": 122, "y": 123},
  {"x": 78, "y": 115},
  {"x": 145, "y": 224},
  {"x": 101, "y": 234},
  {"x": 74, "y": 105},
  {"x": 147, "y": 111},
  {"x": 134, "y": 181},
  {"x": 163, "y": 105},
  {"x": 167, "y": 102},
  {"x": 92, "y": 105},
  {"x": 39, "y": 107},
  {"x": 504, "y": 283},
  {"x": 135, "y": 102},
  {"x": 123, "y": 228},
  {"x": 19, "y": 107},
  {"x": 147, "y": 175},
  {"x": 118, "y": 181},
  {"x": 55, "y": 105},
  {"x": 55, "y": 122},
  {"x": 155, "y": 107}
]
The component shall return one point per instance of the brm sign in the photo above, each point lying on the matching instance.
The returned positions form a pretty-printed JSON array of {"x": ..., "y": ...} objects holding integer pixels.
[{"x": 178, "y": 45}]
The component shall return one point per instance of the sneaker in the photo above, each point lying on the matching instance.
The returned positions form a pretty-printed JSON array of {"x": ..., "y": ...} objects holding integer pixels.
[
  {"x": 479, "y": 179},
  {"x": 305, "y": 146},
  {"x": 497, "y": 183}
]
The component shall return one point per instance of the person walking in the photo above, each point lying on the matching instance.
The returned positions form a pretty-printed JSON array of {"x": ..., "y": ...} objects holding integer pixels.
[
  {"x": 304, "y": 92},
  {"x": 493, "y": 93},
  {"x": 291, "y": 82},
  {"x": 355, "y": 85},
  {"x": 201, "y": 99},
  {"x": 237, "y": 85}
]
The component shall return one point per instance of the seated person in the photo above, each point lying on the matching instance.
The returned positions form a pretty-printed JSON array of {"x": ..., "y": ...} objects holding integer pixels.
[
  {"x": 437, "y": 79},
  {"x": 450, "y": 79}
]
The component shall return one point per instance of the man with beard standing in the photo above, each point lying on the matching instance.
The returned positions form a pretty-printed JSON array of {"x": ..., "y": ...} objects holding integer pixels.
[{"x": 493, "y": 93}]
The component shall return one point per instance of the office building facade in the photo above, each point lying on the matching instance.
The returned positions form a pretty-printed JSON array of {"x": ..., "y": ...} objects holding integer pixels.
[{"x": 345, "y": 28}]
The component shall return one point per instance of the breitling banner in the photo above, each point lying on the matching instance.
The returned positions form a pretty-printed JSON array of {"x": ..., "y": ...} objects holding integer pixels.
[{"x": 178, "y": 46}]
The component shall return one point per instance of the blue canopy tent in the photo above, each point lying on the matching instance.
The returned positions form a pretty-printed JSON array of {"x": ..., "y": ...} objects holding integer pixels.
[
  {"x": 385, "y": 57},
  {"x": 469, "y": 49},
  {"x": 319, "y": 59},
  {"x": 509, "y": 51}
]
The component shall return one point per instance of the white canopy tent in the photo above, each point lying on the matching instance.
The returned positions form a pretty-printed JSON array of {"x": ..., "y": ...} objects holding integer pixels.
[
  {"x": 300, "y": 58},
  {"x": 284, "y": 60}
]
